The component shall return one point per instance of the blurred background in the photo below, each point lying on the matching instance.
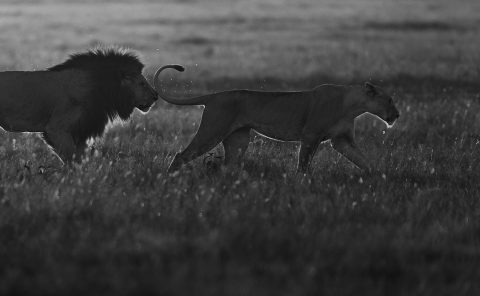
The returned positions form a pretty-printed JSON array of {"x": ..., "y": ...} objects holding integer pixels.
[{"x": 292, "y": 40}]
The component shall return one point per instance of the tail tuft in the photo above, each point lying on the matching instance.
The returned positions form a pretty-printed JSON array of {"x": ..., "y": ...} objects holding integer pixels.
[
  {"x": 179, "y": 68},
  {"x": 162, "y": 95}
]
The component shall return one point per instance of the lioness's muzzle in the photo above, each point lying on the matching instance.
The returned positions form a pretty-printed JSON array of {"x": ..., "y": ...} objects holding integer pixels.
[{"x": 393, "y": 117}]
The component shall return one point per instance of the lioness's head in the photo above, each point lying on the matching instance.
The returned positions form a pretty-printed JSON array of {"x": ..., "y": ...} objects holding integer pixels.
[
  {"x": 380, "y": 103},
  {"x": 142, "y": 94}
]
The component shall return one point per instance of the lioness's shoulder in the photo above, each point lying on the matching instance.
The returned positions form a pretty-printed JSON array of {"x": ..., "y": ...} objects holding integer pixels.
[
  {"x": 330, "y": 89},
  {"x": 330, "y": 86}
]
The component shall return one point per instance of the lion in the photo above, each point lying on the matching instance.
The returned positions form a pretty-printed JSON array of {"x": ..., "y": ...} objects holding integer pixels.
[
  {"x": 326, "y": 112},
  {"x": 73, "y": 101}
]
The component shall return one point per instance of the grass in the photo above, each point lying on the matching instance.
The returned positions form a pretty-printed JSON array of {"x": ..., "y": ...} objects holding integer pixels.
[{"x": 119, "y": 225}]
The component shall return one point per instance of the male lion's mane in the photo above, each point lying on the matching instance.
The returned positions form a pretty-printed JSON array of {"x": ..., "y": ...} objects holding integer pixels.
[{"x": 106, "y": 99}]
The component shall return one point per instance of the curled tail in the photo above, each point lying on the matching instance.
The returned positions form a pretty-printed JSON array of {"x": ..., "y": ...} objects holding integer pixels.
[{"x": 165, "y": 97}]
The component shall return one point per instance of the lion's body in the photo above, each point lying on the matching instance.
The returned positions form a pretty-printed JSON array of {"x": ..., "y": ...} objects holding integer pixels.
[
  {"x": 30, "y": 107},
  {"x": 325, "y": 113},
  {"x": 73, "y": 101}
]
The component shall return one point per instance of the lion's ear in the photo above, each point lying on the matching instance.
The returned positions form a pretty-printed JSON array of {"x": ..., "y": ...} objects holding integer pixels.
[{"x": 370, "y": 89}]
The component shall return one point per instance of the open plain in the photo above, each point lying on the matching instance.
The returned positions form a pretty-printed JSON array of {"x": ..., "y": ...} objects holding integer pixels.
[{"x": 120, "y": 225}]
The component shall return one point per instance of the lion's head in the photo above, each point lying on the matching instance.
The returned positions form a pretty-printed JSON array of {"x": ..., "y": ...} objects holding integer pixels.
[
  {"x": 117, "y": 87},
  {"x": 380, "y": 103},
  {"x": 143, "y": 96}
]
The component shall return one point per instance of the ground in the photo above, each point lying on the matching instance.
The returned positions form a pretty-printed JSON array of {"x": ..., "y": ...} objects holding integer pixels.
[{"x": 120, "y": 225}]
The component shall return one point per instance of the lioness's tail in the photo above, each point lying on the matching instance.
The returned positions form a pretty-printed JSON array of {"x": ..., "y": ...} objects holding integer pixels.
[{"x": 163, "y": 96}]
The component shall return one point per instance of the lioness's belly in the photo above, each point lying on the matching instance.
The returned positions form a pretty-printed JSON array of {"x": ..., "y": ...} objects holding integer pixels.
[
  {"x": 283, "y": 126},
  {"x": 280, "y": 132},
  {"x": 277, "y": 115}
]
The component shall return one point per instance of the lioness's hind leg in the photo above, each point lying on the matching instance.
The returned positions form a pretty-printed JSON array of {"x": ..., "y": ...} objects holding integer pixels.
[
  {"x": 236, "y": 144},
  {"x": 307, "y": 151},
  {"x": 197, "y": 147},
  {"x": 211, "y": 132}
]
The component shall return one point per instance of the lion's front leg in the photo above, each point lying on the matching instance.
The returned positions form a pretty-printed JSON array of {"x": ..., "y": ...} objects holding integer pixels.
[
  {"x": 62, "y": 143},
  {"x": 347, "y": 147},
  {"x": 79, "y": 152}
]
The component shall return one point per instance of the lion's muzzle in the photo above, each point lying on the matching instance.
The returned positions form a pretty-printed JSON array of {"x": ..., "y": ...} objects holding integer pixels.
[
  {"x": 155, "y": 96},
  {"x": 145, "y": 107}
]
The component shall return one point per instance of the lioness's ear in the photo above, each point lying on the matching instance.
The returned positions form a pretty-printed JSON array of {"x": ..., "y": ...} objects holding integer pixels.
[{"x": 370, "y": 89}]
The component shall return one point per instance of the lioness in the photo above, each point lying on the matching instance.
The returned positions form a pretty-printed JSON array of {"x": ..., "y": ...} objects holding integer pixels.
[{"x": 326, "y": 112}]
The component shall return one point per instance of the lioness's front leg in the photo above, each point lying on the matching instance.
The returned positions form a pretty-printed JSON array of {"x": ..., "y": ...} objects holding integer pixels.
[
  {"x": 347, "y": 147},
  {"x": 308, "y": 148}
]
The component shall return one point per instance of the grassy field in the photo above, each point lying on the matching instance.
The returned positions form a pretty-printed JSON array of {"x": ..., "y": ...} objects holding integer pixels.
[{"x": 120, "y": 225}]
